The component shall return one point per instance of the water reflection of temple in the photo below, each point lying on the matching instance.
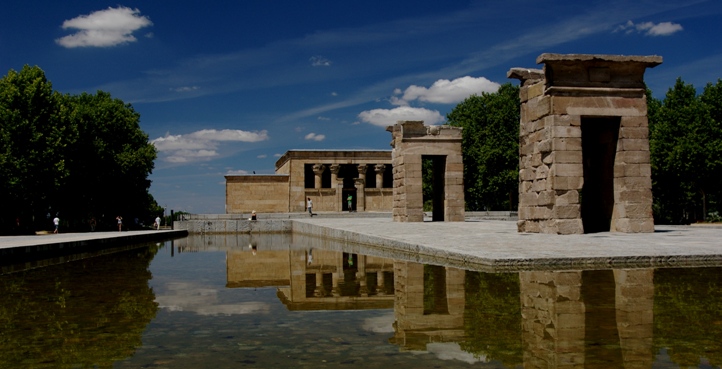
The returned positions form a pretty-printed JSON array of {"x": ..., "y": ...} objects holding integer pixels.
[
  {"x": 311, "y": 279},
  {"x": 429, "y": 305},
  {"x": 541, "y": 319},
  {"x": 535, "y": 319}
]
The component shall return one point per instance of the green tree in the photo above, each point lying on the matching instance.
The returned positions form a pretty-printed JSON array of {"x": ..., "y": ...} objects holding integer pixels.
[
  {"x": 490, "y": 146},
  {"x": 32, "y": 148},
  {"x": 686, "y": 153},
  {"x": 73, "y": 156},
  {"x": 110, "y": 163}
]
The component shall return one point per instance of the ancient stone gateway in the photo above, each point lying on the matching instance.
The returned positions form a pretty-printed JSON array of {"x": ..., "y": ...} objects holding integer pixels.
[
  {"x": 412, "y": 143},
  {"x": 584, "y": 163}
]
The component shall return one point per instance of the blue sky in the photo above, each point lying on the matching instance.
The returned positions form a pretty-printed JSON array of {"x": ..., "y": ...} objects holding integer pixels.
[{"x": 227, "y": 87}]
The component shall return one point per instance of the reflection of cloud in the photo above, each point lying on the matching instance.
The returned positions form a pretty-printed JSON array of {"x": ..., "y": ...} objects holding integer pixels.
[
  {"x": 201, "y": 300},
  {"x": 104, "y": 28},
  {"x": 452, "y": 351},
  {"x": 380, "y": 324}
]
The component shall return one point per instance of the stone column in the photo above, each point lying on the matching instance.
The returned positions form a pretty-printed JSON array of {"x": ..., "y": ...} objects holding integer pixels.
[
  {"x": 318, "y": 171},
  {"x": 362, "y": 171},
  {"x": 380, "y": 283},
  {"x": 360, "y": 197},
  {"x": 335, "y": 168},
  {"x": 361, "y": 276},
  {"x": 320, "y": 291},
  {"x": 380, "y": 169},
  {"x": 337, "y": 276},
  {"x": 334, "y": 173}
]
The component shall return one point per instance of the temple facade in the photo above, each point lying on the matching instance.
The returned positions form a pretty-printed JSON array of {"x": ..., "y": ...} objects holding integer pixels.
[{"x": 327, "y": 177}]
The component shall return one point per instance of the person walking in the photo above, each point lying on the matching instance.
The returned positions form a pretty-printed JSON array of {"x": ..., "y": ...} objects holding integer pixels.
[
  {"x": 120, "y": 222},
  {"x": 349, "y": 200},
  {"x": 309, "y": 206},
  {"x": 56, "y": 222},
  {"x": 157, "y": 223}
]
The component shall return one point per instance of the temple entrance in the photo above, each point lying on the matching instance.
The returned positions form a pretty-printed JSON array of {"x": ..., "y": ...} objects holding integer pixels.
[
  {"x": 349, "y": 173},
  {"x": 344, "y": 199},
  {"x": 434, "y": 167},
  {"x": 599, "y": 148}
]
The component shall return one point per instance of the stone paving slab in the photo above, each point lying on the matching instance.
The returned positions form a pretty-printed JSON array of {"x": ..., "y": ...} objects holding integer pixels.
[
  {"x": 496, "y": 245},
  {"x": 8, "y": 242}
]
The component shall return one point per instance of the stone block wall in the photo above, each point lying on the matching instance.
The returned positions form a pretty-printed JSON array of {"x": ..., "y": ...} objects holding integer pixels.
[
  {"x": 378, "y": 199},
  {"x": 572, "y": 91},
  {"x": 412, "y": 140},
  {"x": 262, "y": 193}
]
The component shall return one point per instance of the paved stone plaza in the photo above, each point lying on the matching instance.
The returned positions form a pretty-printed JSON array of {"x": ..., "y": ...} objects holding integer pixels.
[
  {"x": 496, "y": 245},
  {"x": 491, "y": 245}
]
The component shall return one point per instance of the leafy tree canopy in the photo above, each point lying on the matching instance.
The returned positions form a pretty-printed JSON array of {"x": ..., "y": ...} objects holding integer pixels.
[
  {"x": 686, "y": 152},
  {"x": 77, "y": 157},
  {"x": 490, "y": 146}
]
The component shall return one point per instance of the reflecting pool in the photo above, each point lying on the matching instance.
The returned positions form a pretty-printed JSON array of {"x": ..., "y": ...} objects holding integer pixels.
[{"x": 282, "y": 301}]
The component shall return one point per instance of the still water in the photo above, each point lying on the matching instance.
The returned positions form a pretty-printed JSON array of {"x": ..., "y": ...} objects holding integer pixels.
[{"x": 281, "y": 301}]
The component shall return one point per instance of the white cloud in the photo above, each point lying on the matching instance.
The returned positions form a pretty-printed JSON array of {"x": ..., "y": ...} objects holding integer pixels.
[
  {"x": 185, "y": 89},
  {"x": 650, "y": 29},
  {"x": 444, "y": 91},
  {"x": 314, "y": 137},
  {"x": 237, "y": 172},
  {"x": 389, "y": 117},
  {"x": 319, "y": 61},
  {"x": 262, "y": 156},
  {"x": 324, "y": 118},
  {"x": 104, "y": 28},
  {"x": 202, "y": 145},
  {"x": 277, "y": 155}
]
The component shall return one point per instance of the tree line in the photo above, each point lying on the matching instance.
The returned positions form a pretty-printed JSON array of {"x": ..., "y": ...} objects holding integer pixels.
[
  {"x": 82, "y": 158},
  {"x": 685, "y": 138}
]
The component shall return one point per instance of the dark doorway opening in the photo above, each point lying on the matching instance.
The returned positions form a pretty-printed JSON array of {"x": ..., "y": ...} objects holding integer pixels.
[
  {"x": 601, "y": 335},
  {"x": 599, "y": 149},
  {"x": 349, "y": 173},
  {"x": 435, "y": 299},
  {"x": 433, "y": 177}
]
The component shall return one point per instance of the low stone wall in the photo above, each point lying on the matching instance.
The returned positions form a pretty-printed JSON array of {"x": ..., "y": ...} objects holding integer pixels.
[
  {"x": 281, "y": 222},
  {"x": 219, "y": 225}
]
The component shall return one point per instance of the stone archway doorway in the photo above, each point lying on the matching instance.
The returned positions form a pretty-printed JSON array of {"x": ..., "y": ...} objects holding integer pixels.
[{"x": 599, "y": 148}]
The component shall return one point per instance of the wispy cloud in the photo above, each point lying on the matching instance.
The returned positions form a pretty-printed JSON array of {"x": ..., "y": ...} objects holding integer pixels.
[
  {"x": 319, "y": 61},
  {"x": 202, "y": 145},
  {"x": 315, "y": 137},
  {"x": 104, "y": 28},
  {"x": 650, "y": 29}
]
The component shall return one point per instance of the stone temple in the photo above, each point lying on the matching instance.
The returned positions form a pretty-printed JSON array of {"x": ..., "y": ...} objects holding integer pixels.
[
  {"x": 584, "y": 162},
  {"x": 328, "y": 177}
]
